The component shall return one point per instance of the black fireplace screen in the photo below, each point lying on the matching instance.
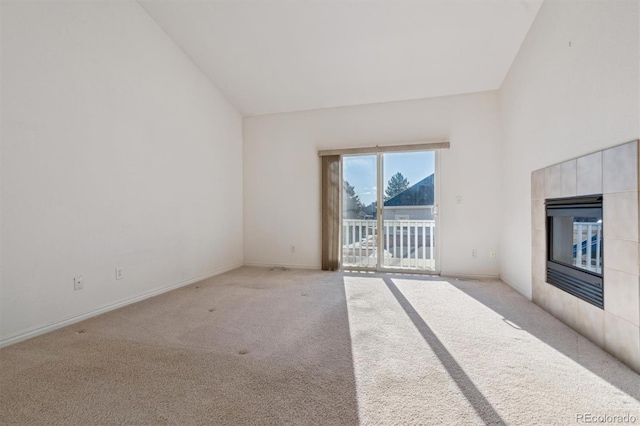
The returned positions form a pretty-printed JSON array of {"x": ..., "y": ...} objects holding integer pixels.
[{"x": 574, "y": 247}]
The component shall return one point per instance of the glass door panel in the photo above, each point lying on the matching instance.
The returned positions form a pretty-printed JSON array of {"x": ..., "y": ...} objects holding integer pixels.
[
  {"x": 409, "y": 204},
  {"x": 359, "y": 211}
]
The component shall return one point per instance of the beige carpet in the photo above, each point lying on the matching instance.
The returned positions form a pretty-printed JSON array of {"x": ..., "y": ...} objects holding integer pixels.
[{"x": 256, "y": 346}]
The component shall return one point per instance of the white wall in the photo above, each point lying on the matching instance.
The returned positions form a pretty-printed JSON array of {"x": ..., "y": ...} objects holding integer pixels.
[
  {"x": 560, "y": 101},
  {"x": 116, "y": 151},
  {"x": 282, "y": 174}
]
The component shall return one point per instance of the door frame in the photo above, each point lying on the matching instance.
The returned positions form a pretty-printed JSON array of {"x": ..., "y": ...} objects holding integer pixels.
[{"x": 379, "y": 215}]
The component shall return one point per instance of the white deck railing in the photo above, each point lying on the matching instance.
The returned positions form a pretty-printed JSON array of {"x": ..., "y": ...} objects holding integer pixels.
[
  {"x": 589, "y": 236},
  {"x": 405, "y": 244}
]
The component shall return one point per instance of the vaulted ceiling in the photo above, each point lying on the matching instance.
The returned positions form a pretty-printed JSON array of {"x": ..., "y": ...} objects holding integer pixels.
[{"x": 280, "y": 56}]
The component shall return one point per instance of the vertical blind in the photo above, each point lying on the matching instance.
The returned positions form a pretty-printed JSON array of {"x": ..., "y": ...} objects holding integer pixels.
[{"x": 331, "y": 192}]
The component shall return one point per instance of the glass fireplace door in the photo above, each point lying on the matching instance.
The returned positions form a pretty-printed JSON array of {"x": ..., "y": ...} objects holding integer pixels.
[{"x": 576, "y": 239}]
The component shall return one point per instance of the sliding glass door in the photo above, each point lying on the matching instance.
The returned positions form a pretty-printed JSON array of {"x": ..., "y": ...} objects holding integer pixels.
[
  {"x": 408, "y": 220},
  {"x": 390, "y": 211},
  {"x": 359, "y": 211}
]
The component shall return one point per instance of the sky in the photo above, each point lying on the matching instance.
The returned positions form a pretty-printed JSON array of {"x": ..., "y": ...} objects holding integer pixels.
[{"x": 360, "y": 170}]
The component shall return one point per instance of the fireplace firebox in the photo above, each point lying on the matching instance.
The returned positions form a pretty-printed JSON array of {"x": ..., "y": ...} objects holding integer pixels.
[{"x": 574, "y": 247}]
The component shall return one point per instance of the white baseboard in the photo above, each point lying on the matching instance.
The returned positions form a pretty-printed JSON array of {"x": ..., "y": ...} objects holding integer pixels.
[
  {"x": 469, "y": 276},
  {"x": 37, "y": 331},
  {"x": 519, "y": 290},
  {"x": 280, "y": 265}
]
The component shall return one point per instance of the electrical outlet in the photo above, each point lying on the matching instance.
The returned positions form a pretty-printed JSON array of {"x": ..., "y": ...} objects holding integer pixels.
[
  {"x": 474, "y": 253},
  {"x": 293, "y": 249},
  {"x": 78, "y": 283},
  {"x": 492, "y": 254},
  {"x": 119, "y": 273}
]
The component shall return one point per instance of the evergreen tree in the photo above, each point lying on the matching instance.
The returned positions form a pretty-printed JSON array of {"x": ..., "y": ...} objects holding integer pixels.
[
  {"x": 396, "y": 185},
  {"x": 352, "y": 205}
]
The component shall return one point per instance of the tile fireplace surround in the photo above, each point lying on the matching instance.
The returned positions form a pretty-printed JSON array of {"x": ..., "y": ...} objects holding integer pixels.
[{"x": 612, "y": 172}]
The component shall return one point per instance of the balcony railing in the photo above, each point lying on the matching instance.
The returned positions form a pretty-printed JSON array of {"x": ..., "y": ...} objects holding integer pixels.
[
  {"x": 589, "y": 256},
  {"x": 405, "y": 243}
]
